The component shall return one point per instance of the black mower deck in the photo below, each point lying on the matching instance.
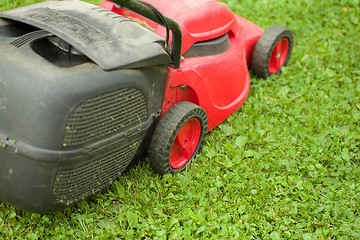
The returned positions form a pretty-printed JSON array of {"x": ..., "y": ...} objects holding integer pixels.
[{"x": 108, "y": 39}]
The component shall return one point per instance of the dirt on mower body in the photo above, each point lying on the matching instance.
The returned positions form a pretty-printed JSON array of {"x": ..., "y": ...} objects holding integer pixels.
[{"x": 83, "y": 89}]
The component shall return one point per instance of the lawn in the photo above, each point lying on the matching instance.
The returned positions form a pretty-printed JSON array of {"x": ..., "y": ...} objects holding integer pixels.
[{"x": 284, "y": 166}]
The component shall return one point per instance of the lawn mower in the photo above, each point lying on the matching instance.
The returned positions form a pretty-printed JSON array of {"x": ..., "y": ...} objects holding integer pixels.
[{"x": 86, "y": 91}]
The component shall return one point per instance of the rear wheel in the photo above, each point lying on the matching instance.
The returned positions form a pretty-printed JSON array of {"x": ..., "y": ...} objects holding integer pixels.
[
  {"x": 272, "y": 51},
  {"x": 178, "y": 137}
]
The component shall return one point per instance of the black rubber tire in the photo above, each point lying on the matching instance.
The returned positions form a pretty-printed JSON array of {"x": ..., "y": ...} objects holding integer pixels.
[
  {"x": 264, "y": 48},
  {"x": 166, "y": 132}
]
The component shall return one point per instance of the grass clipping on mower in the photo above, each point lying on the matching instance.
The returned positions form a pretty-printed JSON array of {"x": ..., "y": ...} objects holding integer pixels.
[{"x": 138, "y": 21}]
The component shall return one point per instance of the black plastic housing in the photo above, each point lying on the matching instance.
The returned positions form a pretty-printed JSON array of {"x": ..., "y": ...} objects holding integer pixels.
[{"x": 72, "y": 121}]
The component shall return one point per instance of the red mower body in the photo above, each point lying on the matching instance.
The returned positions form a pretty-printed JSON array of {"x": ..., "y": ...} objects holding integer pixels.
[
  {"x": 218, "y": 83},
  {"x": 217, "y": 48}
]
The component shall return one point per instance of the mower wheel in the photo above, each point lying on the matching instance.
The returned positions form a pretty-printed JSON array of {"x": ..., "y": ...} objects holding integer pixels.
[
  {"x": 272, "y": 51},
  {"x": 178, "y": 137}
]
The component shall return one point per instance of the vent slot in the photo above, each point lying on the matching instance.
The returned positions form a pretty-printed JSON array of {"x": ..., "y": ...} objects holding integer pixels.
[
  {"x": 75, "y": 184},
  {"x": 104, "y": 114},
  {"x": 30, "y": 37}
]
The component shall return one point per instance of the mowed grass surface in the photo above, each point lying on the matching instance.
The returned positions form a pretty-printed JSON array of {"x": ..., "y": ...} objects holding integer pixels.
[{"x": 285, "y": 166}]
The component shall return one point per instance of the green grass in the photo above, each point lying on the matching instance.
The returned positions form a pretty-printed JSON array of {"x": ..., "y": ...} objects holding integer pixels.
[{"x": 285, "y": 166}]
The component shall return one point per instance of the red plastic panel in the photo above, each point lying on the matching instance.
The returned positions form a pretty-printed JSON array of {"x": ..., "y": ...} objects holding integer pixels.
[
  {"x": 219, "y": 84},
  {"x": 199, "y": 20}
]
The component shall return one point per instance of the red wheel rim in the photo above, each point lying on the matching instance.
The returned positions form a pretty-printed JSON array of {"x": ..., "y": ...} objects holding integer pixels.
[
  {"x": 278, "y": 55},
  {"x": 185, "y": 143}
]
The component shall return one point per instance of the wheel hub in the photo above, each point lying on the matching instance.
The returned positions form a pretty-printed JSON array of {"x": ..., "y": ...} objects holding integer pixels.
[{"x": 185, "y": 143}]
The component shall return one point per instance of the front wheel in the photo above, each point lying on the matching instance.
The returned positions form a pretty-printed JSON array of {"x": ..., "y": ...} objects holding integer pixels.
[
  {"x": 272, "y": 51},
  {"x": 178, "y": 137}
]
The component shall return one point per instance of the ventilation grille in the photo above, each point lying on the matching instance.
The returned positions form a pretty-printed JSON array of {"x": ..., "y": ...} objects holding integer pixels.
[
  {"x": 75, "y": 184},
  {"x": 30, "y": 37},
  {"x": 104, "y": 114}
]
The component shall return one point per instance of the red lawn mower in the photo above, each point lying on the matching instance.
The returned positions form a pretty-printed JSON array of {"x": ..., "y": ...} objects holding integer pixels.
[{"x": 87, "y": 90}]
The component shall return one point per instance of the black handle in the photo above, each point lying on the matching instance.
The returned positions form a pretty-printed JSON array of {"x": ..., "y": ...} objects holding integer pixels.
[{"x": 147, "y": 12}]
